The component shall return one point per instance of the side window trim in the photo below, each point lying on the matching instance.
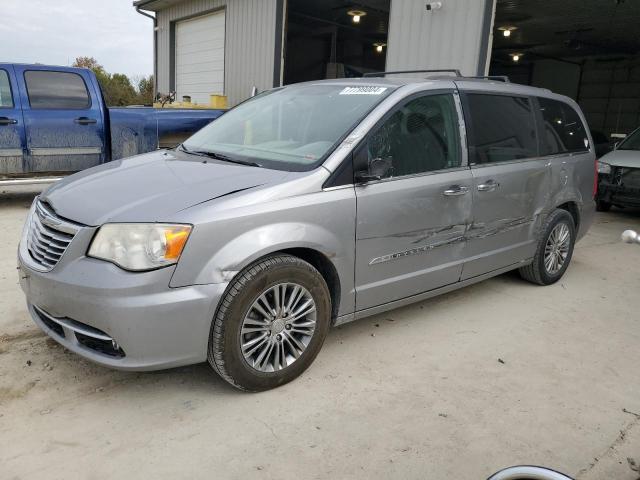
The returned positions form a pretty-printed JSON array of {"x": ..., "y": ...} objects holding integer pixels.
[
  {"x": 470, "y": 133},
  {"x": 11, "y": 95},
  {"x": 401, "y": 104},
  {"x": 89, "y": 105}
]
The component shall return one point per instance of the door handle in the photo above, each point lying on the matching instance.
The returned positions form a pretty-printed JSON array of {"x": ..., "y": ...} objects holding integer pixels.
[
  {"x": 8, "y": 121},
  {"x": 85, "y": 120},
  {"x": 490, "y": 186},
  {"x": 455, "y": 190}
]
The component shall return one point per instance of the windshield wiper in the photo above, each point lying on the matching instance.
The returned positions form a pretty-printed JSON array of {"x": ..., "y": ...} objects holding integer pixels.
[{"x": 219, "y": 156}]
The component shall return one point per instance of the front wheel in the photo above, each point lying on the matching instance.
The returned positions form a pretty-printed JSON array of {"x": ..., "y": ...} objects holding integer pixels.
[
  {"x": 555, "y": 249},
  {"x": 271, "y": 323}
]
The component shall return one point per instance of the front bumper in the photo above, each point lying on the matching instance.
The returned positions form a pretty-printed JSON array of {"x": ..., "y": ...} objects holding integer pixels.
[
  {"x": 153, "y": 325},
  {"x": 620, "y": 195}
]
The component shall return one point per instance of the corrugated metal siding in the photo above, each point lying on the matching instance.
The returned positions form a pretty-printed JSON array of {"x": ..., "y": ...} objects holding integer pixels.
[
  {"x": 451, "y": 37},
  {"x": 249, "y": 48}
]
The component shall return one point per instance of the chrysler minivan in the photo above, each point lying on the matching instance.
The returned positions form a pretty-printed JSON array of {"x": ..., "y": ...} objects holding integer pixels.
[{"x": 307, "y": 206}]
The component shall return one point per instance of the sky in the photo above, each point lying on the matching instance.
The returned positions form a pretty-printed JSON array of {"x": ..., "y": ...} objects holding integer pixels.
[{"x": 55, "y": 32}]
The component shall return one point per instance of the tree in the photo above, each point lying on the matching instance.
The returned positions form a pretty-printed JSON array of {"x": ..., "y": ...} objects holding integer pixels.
[
  {"x": 117, "y": 88},
  {"x": 145, "y": 90}
]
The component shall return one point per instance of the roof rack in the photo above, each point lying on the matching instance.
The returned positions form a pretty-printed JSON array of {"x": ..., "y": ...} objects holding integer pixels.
[
  {"x": 455, "y": 71},
  {"x": 382, "y": 74},
  {"x": 501, "y": 78}
]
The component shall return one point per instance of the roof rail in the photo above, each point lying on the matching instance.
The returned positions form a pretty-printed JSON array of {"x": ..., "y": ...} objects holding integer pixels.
[
  {"x": 501, "y": 78},
  {"x": 382, "y": 74}
]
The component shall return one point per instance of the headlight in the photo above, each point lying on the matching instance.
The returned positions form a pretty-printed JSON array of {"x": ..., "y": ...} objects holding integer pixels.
[
  {"x": 604, "y": 168},
  {"x": 140, "y": 246}
]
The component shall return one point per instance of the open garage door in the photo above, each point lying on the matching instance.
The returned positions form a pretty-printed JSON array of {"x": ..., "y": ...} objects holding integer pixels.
[
  {"x": 199, "y": 57},
  {"x": 585, "y": 49}
]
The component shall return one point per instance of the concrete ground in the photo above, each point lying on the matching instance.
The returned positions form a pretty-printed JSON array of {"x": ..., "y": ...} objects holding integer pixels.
[{"x": 456, "y": 387}]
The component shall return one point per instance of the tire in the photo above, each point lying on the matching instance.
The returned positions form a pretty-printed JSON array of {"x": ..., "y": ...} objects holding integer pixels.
[
  {"x": 537, "y": 271},
  {"x": 602, "y": 206},
  {"x": 270, "y": 278}
]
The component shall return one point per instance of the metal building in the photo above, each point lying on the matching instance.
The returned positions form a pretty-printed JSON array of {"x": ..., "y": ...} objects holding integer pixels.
[
  {"x": 586, "y": 49},
  {"x": 230, "y": 46}
]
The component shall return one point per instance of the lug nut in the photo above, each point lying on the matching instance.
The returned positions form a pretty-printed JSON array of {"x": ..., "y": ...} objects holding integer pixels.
[
  {"x": 287, "y": 326},
  {"x": 279, "y": 337}
]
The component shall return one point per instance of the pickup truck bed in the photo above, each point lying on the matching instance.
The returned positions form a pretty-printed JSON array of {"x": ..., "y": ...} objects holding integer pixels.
[{"x": 53, "y": 121}]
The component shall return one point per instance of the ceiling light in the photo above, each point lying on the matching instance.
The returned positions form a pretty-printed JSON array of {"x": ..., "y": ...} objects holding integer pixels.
[
  {"x": 507, "y": 29},
  {"x": 379, "y": 47},
  {"x": 516, "y": 56},
  {"x": 356, "y": 15}
]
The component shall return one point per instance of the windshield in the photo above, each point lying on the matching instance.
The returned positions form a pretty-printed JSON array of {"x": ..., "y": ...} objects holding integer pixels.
[
  {"x": 632, "y": 142},
  {"x": 291, "y": 128}
]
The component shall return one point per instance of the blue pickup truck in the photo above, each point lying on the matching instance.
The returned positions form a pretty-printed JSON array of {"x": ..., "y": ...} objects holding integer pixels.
[{"x": 54, "y": 121}]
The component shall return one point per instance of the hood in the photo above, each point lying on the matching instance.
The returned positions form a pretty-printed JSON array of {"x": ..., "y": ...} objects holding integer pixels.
[
  {"x": 622, "y": 158},
  {"x": 150, "y": 187}
]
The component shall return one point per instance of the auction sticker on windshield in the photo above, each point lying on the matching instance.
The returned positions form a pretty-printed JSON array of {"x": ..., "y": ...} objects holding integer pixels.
[{"x": 362, "y": 90}]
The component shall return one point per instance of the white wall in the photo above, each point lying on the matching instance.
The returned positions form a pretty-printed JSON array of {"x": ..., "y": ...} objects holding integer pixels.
[{"x": 454, "y": 36}]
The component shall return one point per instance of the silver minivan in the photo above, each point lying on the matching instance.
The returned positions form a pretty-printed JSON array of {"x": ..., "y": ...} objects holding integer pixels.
[{"x": 307, "y": 206}]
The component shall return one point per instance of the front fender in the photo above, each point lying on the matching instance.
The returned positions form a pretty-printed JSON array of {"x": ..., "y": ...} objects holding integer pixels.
[
  {"x": 324, "y": 221},
  {"x": 258, "y": 242}
]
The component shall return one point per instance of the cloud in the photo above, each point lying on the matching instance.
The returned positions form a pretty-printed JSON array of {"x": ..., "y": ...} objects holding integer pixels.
[{"x": 56, "y": 32}]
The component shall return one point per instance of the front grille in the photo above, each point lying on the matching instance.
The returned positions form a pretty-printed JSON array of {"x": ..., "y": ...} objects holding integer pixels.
[
  {"x": 86, "y": 335},
  {"x": 52, "y": 325},
  {"x": 630, "y": 177},
  {"x": 48, "y": 236}
]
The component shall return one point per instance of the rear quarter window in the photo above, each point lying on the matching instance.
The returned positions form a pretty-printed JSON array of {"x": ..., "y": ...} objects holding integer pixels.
[
  {"x": 56, "y": 90},
  {"x": 6, "y": 100},
  {"x": 500, "y": 128},
  {"x": 562, "y": 128}
]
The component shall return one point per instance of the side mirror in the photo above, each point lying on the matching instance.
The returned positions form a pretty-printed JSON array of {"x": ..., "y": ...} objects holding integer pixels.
[{"x": 379, "y": 168}]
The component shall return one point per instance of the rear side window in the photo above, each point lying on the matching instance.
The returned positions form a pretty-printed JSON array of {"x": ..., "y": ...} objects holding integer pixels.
[
  {"x": 6, "y": 101},
  {"x": 56, "y": 90},
  {"x": 562, "y": 129},
  {"x": 500, "y": 128}
]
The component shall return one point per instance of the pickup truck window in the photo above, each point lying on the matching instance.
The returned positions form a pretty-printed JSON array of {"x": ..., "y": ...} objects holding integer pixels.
[
  {"x": 6, "y": 101},
  {"x": 51, "y": 90}
]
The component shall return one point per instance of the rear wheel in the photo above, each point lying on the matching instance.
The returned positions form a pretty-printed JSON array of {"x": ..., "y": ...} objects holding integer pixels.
[
  {"x": 271, "y": 323},
  {"x": 554, "y": 251}
]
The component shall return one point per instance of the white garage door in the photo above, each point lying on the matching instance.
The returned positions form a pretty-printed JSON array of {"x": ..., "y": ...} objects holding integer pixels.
[{"x": 200, "y": 57}]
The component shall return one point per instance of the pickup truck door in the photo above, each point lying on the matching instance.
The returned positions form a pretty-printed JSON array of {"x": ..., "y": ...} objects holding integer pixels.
[
  {"x": 11, "y": 124},
  {"x": 411, "y": 223},
  {"x": 63, "y": 118}
]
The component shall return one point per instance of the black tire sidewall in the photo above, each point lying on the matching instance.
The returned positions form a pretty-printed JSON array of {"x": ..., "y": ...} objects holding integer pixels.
[
  {"x": 235, "y": 364},
  {"x": 559, "y": 216}
]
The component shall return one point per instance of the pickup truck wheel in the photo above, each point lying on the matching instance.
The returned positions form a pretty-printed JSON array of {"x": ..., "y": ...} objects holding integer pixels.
[
  {"x": 555, "y": 249},
  {"x": 602, "y": 206},
  {"x": 271, "y": 323}
]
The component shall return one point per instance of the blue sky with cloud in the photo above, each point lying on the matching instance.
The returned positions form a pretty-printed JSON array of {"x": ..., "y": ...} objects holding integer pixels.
[{"x": 57, "y": 31}]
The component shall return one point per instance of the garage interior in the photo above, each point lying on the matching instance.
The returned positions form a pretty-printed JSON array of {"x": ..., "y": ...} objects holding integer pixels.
[
  {"x": 585, "y": 49},
  {"x": 334, "y": 38}
]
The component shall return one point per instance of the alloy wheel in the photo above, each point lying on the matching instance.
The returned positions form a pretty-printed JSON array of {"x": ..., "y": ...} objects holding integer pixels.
[
  {"x": 278, "y": 327},
  {"x": 557, "y": 248}
]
